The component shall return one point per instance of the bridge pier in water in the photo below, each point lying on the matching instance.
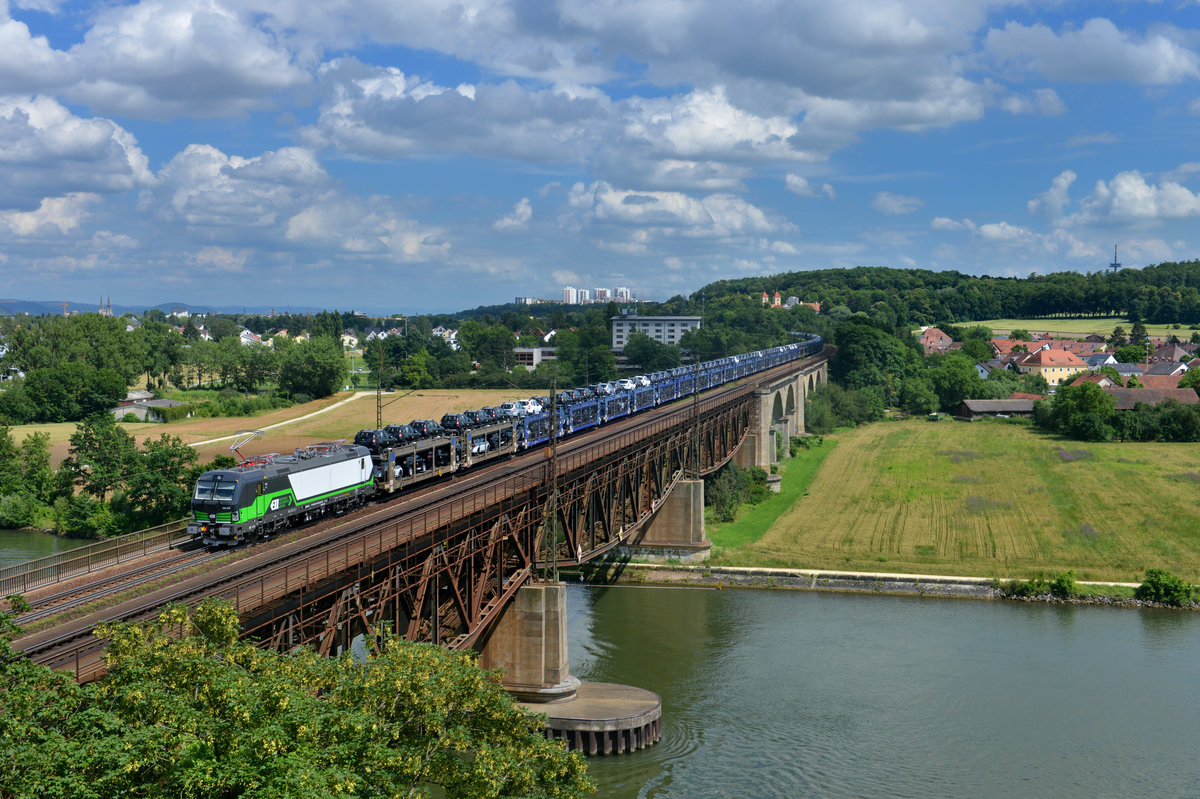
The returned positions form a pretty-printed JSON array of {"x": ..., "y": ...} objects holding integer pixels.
[{"x": 529, "y": 643}]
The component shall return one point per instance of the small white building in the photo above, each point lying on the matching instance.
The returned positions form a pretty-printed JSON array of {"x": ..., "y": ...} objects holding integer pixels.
[{"x": 530, "y": 357}]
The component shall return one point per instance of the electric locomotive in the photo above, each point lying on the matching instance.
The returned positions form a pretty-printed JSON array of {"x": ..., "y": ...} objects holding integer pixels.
[
  {"x": 260, "y": 496},
  {"x": 263, "y": 495}
]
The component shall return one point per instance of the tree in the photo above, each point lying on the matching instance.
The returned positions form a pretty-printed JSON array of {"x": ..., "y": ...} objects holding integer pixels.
[
  {"x": 158, "y": 485},
  {"x": 316, "y": 368},
  {"x": 35, "y": 464},
  {"x": 1084, "y": 412},
  {"x": 1117, "y": 339},
  {"x": 254, "y": 363},
  {"x": 1130, "y": 353},
  {"x": 12, "y": 477},
  {"x": 977, "y": 350},
  {"x": 1019, "y": 334},
  {"x": 1138, "y": 334},
  {"x": 190, "y": 710},
  {"x": 414, "y": 373},
  {"x": 917, "y": 397},
  {"x": 101, "y": 455},
  {"x": 954, "y": 379}
]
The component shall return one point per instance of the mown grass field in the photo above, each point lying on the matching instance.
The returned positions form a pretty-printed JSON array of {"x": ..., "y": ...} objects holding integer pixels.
[
  {"x": 342, "y": 421},
  {"x": 993, "y": 500},
  {"x": 1078, "y": 328}
]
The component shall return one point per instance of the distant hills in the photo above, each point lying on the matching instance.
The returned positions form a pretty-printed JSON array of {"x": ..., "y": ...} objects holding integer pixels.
[{"x": 13, "y": 307}]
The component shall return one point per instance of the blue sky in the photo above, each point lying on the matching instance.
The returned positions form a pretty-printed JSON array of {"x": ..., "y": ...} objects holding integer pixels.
[{"x": 433, "y": 156}]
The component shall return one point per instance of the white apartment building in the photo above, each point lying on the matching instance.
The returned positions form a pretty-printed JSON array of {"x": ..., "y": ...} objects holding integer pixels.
[
  {"x": 622, "y": 293},
  {"x": 570, "y": 296},
  {"x": 601, "y": 294},
  {"x": 663, "y": 329}
]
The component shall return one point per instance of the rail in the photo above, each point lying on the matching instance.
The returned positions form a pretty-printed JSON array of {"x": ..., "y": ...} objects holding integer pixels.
[
  {"x": 21, "y": 577},
  {"x": 251, "y": 586}
]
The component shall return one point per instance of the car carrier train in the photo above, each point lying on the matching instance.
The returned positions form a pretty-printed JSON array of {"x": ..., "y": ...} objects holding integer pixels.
[{"x": 268, "y": 493}]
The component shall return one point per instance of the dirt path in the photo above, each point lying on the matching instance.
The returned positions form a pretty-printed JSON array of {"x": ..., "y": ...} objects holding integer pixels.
[{"x": 326, "y": 409}]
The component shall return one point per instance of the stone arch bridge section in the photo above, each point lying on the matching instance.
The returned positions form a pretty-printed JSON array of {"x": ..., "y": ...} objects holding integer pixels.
[{"x": 778, "y": 412}]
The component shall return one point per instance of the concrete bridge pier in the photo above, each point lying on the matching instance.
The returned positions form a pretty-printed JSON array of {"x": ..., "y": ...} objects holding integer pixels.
[
  {"x": 677, "y": 529},
  {"x": 529, "y": 644}
]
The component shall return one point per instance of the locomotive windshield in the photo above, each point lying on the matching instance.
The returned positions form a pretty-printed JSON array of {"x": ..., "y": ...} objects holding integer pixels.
[{"x": 221, "y": 491}]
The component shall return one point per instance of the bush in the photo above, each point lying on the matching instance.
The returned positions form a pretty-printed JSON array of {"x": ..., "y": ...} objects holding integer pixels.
[
  {"x": 83, "y": 517},
  {"x": 1162, "y": 586},
  {"x": 19, "y": 510},
  {"x": 130, "y": 418},
  {"x": 1063, "y": 586},
  {"x": 805, "y": 442},
  {"x": 732, "y": 486},
  {"x": 1035, "y": 586}
]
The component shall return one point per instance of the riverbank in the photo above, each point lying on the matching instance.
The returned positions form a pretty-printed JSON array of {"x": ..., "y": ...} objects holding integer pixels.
[
  {"x": 948, "y": 586},
  {"x": 987, "y": 499}
]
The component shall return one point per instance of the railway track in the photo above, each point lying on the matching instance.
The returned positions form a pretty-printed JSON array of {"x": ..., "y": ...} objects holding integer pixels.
[
  {"x": 64, "y": 646},
  {"x": 64, "y": 601}
]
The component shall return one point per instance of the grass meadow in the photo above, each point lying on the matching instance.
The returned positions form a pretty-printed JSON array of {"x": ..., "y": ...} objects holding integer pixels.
[
  {"x": 1079, "y": 327},
  {"x": 986, "y": 499}
]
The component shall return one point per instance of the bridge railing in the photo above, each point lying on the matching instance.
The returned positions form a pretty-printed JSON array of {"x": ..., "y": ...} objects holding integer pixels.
[{"x": 21, "y": 577}]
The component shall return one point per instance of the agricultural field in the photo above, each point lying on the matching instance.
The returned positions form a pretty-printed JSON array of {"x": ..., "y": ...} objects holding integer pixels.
[
  {"x": 990, "y": 499},
  {"x": 331, "y": 418},
  {"x": 1078, "y": 328}
]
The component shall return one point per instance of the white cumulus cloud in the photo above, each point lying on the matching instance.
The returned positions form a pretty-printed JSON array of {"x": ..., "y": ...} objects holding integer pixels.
[
  {"x": 167, "y": 58},
  {"x": 203, "y": 186},
  {"x": 802, "y": 188},
  {"x": 1040, "y": 101},
  {"x": 1051, "y": 202},
  {"x": 1097, "y": 51},
  {"x": 1128, "y": 197},
  {"x": 46, "y": 151},
  {"x": 712, "y": 215},
  {"x": 895, "y": 204},
  {"x": 522, "y": 212},
  {"x": 54, "y": 217}
]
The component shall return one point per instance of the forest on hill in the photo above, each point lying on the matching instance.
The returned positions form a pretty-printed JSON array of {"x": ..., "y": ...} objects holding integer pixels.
[{"x": 1165, "y": 293}]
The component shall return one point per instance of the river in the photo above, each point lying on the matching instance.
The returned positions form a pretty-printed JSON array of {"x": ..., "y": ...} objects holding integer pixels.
[
  {"x": 797, "y": 694},
  {"x": 17, "y": 546}
]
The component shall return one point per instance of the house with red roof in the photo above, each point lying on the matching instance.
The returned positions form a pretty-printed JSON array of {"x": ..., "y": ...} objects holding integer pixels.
[
  {"x": 934, "y": 341},
  {"x": 1054, "y": 365}
]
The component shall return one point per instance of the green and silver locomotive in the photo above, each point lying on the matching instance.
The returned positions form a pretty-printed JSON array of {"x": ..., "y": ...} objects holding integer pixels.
[{"x": 259, "y": 497}]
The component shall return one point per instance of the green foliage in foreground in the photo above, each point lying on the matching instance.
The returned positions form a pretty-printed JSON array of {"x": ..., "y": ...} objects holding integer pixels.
[
  {"x": 1162, "y": 586},
  {"x": 190, "y": 710}
]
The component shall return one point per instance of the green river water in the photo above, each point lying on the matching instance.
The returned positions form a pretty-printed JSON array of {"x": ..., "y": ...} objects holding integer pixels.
[{"x": 797, "y": 694}]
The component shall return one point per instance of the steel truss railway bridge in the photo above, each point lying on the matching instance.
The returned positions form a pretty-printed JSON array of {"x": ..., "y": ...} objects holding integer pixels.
[{"x": 442, "y": 564}]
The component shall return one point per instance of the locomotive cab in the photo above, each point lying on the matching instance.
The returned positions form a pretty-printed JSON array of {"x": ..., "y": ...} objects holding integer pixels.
[{"x": 218, "y": 502}]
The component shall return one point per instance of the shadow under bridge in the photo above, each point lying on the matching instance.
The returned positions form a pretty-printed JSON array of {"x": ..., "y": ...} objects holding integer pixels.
[{"x": 443, "y": 571}]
